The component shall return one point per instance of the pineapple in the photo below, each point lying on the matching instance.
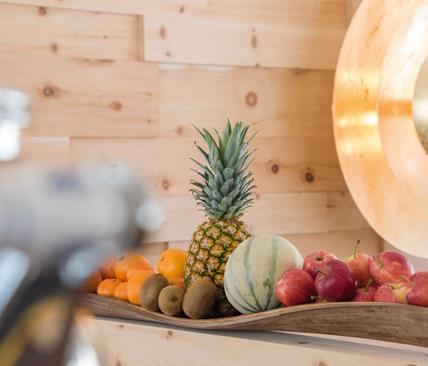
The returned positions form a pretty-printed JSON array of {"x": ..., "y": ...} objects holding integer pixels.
[{"x": 224, "y": 192}]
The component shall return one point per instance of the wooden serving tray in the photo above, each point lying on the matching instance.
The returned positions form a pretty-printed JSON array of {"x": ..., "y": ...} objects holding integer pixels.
[{"x": 386, "y": 322}]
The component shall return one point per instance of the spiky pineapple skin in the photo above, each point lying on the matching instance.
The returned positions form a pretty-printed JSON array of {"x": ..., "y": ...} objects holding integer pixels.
[{"x": 212, "y": 244}]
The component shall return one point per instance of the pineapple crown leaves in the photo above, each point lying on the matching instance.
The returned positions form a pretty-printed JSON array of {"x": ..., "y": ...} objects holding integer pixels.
[{"x": 226, "y": 187}]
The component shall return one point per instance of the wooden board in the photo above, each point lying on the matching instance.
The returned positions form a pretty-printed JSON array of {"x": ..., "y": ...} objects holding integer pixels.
[
  {"x": 39, "y": 152},
  {"x": 173, "y": 39},
  {"x": 281, "y": 164},
  {"x": 277, "y": 103},
  {"x": 277, "y": 213},
  {"x": 72, "y": 97},
  {"x": 307, "y": 12},
  {"x": 340, "y": 243},
  {"x": 279, "y": 35},
  {"x": 386, "y": 322},
  {"x": 284, "y": 213},
  {"x": 89, "y": 35},
  {"x": 135, "y": 343}
]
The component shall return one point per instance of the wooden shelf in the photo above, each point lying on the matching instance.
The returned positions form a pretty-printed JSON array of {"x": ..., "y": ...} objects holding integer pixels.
[
  {"x": 378, "y": 321},
  {"x": 132, "y": 343}
]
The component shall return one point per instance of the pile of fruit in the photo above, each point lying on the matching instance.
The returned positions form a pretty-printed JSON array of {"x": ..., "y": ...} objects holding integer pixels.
[
  {"x": 132, "y": 278},
  {"x": 265, "y": 271},
  {"x": 388, "y": 277},
  {"x": 229, "y": 270}
]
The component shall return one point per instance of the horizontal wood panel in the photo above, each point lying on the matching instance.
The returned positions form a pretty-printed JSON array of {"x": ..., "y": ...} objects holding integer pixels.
[
  {"x": 122, "y": 97},
  {"x": 39, "y": 152},
  {"x": 88, "y": 81},
  {"x": 341, "y": 243},
  {"x": 122, "y": 342},
  {"x": 171, "y": 39},
  {"x": 271, "y": 212},
  {"x": 278, "y": 103},
  {"x": 293, "y": 103},
  {"x": 344, "y": 213},
  {"x": 281, "y": 165},
  {"x": 286, "y": 213},
  {"x": 72, "y": 97},
  {"x": 307, "y": 12},
  {"x": 86, "y": 34}
]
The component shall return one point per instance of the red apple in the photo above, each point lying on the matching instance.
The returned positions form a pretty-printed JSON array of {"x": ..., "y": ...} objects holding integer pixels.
[
  {"x": 389, "y": 267},
  {"x": 316, "y": 260},
  {"x": 336, "y": 281},
  {"x": 365, "y": 293},
  {"x": 418, "y": 294},
  {"x": 296, "y": 286},
  {"x": 360, "y": 264},
  {"x": 395, "y": 292}
]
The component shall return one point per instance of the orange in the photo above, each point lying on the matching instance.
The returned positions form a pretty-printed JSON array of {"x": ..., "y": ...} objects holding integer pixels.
[
  {"x": 108, "y": 286},
  {"x": 121, "y": 291},
  {"x": 135, "y": 283},
  {"x": 107, "y": 268},
  {"x": 171, "y": 262},
  {"x": 130, "y": 263},
  {"x": 176, "y": 281},
  {"x": 92, "y": 282}
]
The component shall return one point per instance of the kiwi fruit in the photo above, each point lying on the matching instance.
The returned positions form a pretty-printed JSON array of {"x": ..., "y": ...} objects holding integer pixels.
[
  {"x": 200, "y": 298},
  {"x": 171, "y": 300},
  {"x": 149, "y": 294}
]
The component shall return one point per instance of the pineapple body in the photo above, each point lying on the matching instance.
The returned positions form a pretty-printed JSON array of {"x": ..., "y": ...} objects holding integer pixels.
[
  {"x": 212, "y": 244},
  {"x": 224, "y": 191}
]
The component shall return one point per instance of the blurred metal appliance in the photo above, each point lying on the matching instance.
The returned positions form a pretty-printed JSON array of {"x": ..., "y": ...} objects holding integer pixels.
[{"x": 55, "y": 228}]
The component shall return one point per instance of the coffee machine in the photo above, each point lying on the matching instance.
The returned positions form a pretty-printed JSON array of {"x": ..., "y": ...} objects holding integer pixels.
[{"x": 55, "y": 228}]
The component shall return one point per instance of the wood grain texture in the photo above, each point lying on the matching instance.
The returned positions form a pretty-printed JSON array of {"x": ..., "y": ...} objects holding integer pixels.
[
  {"x": 85, "y": 97},
  {"x": 129, "y": 343},
  {"x": 339, "y": 243},
  {"x": 90, "y": 87},
  {"x": 277, "y": 103},
  {"x": 171, "y": 39},
  {"x": 308, "y": 36},
  {"x": 307, "y": 12},
  {"x": 39, "y": 152},
  {"x": 281, "y": 213},
  {"x": 387, "y": 322},
  {"x": 271, "y": 212},
  {"x": 87, "y": 34},
  {"x": 286, "y": 103},
  {"x": 281, "y": 165},
  {"x": 44, "y": 151},
  {"x": 344, "y": 212}
]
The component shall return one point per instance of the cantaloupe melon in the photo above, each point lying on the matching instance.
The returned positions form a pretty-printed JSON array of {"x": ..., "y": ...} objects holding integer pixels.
[{"x": 253, "y": 270}]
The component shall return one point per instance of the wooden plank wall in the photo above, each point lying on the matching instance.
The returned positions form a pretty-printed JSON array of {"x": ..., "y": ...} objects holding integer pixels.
[{"x": 125, "y": 80}]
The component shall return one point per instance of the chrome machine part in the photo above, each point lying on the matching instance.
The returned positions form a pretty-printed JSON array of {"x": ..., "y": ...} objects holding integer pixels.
[{"x": 13, "y": 117}]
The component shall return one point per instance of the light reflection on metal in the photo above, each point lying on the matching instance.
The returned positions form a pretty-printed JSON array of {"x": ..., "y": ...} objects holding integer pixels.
[
  {"x": 420, "y": 105},
  {"x": 13, "y": 117},
  {"x": 384, "y": 165}
]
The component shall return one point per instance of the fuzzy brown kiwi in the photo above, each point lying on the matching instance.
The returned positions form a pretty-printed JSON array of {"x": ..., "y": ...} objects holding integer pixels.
[
  {"x": 149, "y": 294},
  {"x": 200, "y": 298},
  {"x": 171, "y": 300}
]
